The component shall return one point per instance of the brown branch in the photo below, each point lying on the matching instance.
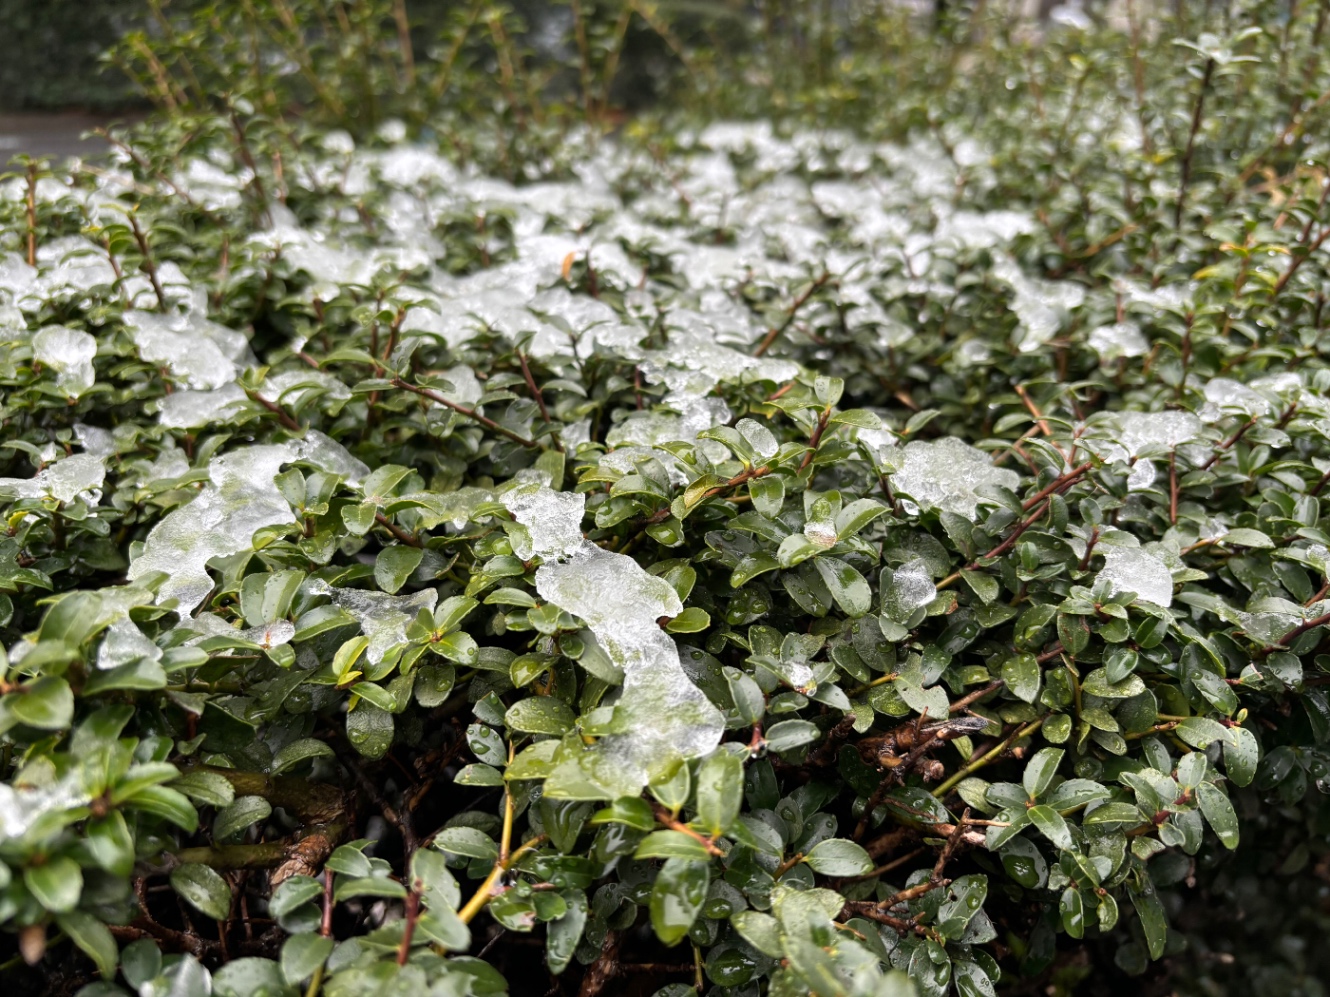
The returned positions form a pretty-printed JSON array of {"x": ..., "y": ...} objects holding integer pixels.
[
  {"x": 674, "y": 824},
  {"x": 282, "y": 415},
  {"x": 401, "y": 534},
  {"x": 148, "y": 266},
  {"x": 539, "y": 398},
  {"x": 775, "y": 332},
  {"x": 1197, "y": 112},
  {"x": 1226, "y": 445},
  {"x": 489, "y": 424},
  {"x": 32, "y": 214}
]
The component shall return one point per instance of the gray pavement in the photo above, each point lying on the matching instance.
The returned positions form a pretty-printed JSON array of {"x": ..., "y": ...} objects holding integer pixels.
[{"x": 57, "y": 135}]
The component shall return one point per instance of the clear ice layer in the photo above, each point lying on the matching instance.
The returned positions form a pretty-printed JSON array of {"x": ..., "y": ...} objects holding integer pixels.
[{"x": 948, "y": 474}]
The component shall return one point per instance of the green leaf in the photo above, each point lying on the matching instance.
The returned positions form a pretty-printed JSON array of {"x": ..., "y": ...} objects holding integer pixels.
[
  {"x": 302, "y": 954},
  {"x": 1051, "y": 825},
  {"x": 1219, "y": 813},
  {"x": 563, "y": 935},
  {"x": 466, "y": 841},
  {"x": 1242, "y": 753},
  {"x": 1098, "y": 684},
  {"x": 111, "y": 843},
  {"x": 671, "y": 845},
  {"x": 370, "y": 730},
  {"x": 394, "y": 566},
  {"x": 303, "y": 750},
  {"x": 1151, "y": 912},
  {"x": 204, "y": 889},
  {"x": 1040, "y": 770},
  {"x": 164, "y": 802},
  {"x": 790, "y": 734},
  {"x": 1022, "y": 676},
  {"x": 250, "y": 977},
  {"x": 93, "y": 938},
  {"x": 677, "y": 897},
  {"x": 540, "y": 715},
  {"x": 719, "y": 791},
  {"x": 1199, "y": 732},
  {"x": 57, "y": 883},
  {"x": 630, "y": 810},
  {"x": 838, "y": 857},
  {"x": 244, "y": 812},
  {"x": 692, "y": 620},
  {"x": 768, "y": 494},
  {"x": 849, "y": 588},
  {"x": 46, "y": 704}
]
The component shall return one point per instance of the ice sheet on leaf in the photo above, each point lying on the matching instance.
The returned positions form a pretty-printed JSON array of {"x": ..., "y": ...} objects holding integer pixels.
[
  {"x": 23, "y": 804},
  {"x": 189, "y": 409},
  {"x": 660, "y": 715},
  {"x": 240, "y": 498},
  {"x": 1224, "y": 396},
  {"x": 95, "y": 440},
  {"x": 911, "y": 588},
  {"x": 290, "y": 387},
  {"x": 1041, "y": 306},
  {"x": 947, "y": 475},
  {"x": 1132, "y": 569},
  {"x": 123, "y": 643},
  {"x": 1119, "y": 340},
  {"x": 195, "y": 350},
  {"x": 1160, "y": 432},
  {"x": 68, "y": 352},
  {"x": 552, "y": 521},
  {"x": 80, "y": 475},
  {"x": 383, "y": 618},
  {"x": 455, "y": 508}
]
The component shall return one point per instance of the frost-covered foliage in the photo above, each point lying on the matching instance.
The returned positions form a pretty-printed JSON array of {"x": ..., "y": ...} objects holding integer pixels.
[{"x": 764, "y": 557}]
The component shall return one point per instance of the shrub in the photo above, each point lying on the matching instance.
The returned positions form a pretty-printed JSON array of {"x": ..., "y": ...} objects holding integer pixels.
[{"x": 752, "y": 556}]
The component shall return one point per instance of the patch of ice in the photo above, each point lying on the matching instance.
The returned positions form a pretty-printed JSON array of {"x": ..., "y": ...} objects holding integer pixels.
[
  {"x": 947, "y": 474},
  {"x": 1225, "y": 395},
  {"x": 759, "y": 438},
  {"x": 240, "y": 498},
  {"x": 123, "y": 643},
  {"x": 195, "y": 409},
  {"x": 1041, "y": 306},
  {"x": 94, "y": 440},
  {"x": 661, "y": 716},
  {"x": 1156, "y": 431},
  {"x": 552, "y": 521},
  {"x": 911, "y": 588},
  {"x": 290, "y": 387},
  {"x": 1122, "y": 339},
  {"x": 1131, "y": 569},
  {"x": 80, "y": 475},
  {"x": 23, "y": 804},
  {"x": 69, "y": 353},
  {"x": 383, "y": 618},
  {"x": 196, "y": 351}
]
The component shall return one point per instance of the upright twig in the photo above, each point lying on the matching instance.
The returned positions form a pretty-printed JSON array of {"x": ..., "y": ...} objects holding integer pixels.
[{"x": 1197, "y": 113}]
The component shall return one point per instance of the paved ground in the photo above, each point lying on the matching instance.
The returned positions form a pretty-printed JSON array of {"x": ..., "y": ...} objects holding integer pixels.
[{"x": 56, "y": 135}]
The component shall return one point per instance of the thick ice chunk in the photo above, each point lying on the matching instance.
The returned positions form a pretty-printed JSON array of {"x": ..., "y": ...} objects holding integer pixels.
[
  {"x": 383, "y": 618},
  {"x": 69, "y": 353},
  {"x": 187, "y": 346},
  {"x": 67, "y": 479},
  {"x": 1131, "y": 569},
  {"x": 221, "y": 520},
  {"x": 660, "y": 715},
  {"x": 911, "y": 588},
  {"x": 197, "y": 409},
  {"x": 947, "y": 474},
  {"x": 552, "y": 521},
  {"x": 1122, "y": 339}
]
